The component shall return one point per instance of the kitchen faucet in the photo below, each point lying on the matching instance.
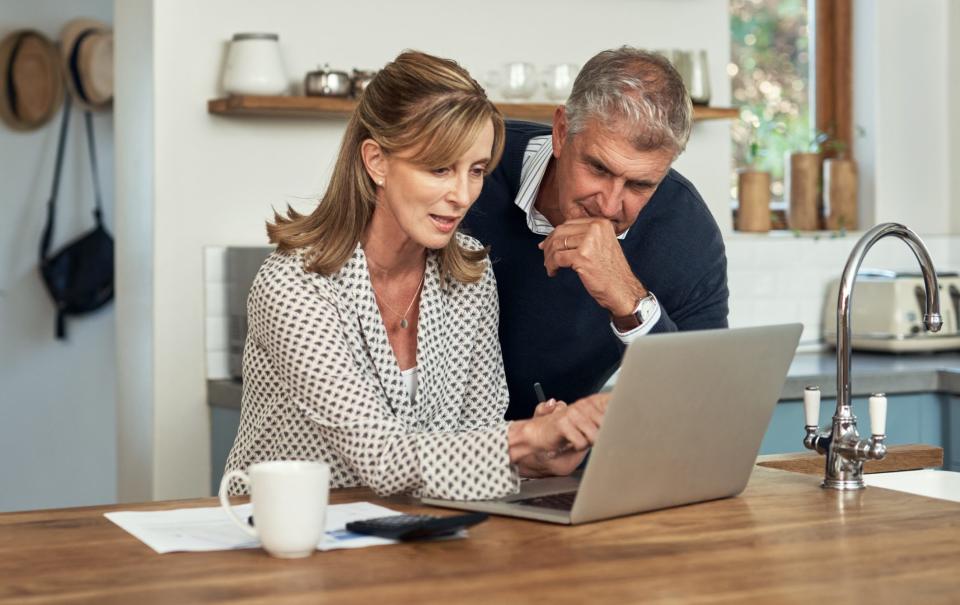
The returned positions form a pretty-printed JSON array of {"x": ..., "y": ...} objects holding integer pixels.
[{"x": 842, "y": 445}]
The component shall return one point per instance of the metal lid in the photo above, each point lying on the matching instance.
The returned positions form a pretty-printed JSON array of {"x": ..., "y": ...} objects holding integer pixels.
[{"x": 255, "y": 36}]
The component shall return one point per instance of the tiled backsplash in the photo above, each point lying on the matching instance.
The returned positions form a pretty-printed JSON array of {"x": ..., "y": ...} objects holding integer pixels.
[
  {"x": 779, "y": 277},
  {"x": 218, "y": 322},
  {"x": 774, "y": 278}
]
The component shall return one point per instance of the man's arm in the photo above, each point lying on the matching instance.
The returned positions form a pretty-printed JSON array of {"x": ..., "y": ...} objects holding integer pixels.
[
  {"x": 705, "y": 307},
  {"x": 590, "y": 247}
]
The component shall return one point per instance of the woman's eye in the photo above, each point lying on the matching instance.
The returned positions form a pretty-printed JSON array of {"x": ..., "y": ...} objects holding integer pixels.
[
  {"x": 478, "y": 171},
  {"x": 440, "y": 171}
]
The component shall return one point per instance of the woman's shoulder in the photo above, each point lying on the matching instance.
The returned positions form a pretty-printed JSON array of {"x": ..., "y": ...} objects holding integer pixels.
[
  {"x": 286, "y": 270},
  {"x": 467, "y": 242}
]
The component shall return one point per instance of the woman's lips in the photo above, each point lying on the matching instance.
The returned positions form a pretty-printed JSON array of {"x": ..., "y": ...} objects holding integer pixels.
[{"x": 445, "y": 224}]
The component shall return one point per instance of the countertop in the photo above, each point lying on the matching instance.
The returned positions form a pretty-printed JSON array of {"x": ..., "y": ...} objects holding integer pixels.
[
  {"x": 782, "y": 541},
  {"x": 872, "y": 372}
]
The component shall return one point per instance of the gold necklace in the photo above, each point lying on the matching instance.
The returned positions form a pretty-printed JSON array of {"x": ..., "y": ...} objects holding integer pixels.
[{"x": 403, "y": 318}]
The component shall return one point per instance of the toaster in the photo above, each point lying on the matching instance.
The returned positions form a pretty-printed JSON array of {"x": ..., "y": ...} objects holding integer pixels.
[{"x": 886, "y": 313}]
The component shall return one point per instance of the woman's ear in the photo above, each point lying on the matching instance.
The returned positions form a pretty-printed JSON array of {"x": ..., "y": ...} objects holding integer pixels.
[{"x": 374, "y": 160}]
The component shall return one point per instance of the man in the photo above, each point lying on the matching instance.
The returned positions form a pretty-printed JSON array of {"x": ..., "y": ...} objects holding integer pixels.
[{"x": 595, "y": 240}]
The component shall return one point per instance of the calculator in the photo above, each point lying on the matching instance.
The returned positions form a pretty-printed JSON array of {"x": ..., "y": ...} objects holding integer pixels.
[{"x": 415, "y": 527}]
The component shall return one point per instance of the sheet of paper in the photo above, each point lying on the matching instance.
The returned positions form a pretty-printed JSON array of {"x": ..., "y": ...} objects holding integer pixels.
[{"x": 207, "y": 529}]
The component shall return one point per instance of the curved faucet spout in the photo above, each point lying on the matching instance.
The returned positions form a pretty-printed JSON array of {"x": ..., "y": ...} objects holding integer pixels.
[
  {"x": 931, "y": 318},
  {"x": 844, "y": 449}
]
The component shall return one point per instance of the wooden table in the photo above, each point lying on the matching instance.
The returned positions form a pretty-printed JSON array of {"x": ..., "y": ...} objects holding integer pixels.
[{"x": 784, "y": 540}]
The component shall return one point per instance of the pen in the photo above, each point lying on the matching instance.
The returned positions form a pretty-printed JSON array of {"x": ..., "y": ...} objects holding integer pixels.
[{"x": 539, "y": 390}]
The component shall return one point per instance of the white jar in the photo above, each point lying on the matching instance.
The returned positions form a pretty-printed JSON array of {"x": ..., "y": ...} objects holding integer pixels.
[{"x": 254, "y": 66}]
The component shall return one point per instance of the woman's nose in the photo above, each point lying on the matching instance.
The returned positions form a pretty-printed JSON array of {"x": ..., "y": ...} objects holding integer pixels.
[{"x": 460, "y": 190}]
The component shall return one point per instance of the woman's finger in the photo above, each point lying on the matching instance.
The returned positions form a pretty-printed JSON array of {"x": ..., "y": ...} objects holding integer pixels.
[{"x": 544, "y": 408}]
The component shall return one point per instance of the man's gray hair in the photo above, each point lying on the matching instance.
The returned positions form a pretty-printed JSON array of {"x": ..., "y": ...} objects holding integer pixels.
[{"x": 636, "y": 91}]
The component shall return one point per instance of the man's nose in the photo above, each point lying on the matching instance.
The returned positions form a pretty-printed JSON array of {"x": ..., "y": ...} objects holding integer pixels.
[{"x": 611, "y": 201}]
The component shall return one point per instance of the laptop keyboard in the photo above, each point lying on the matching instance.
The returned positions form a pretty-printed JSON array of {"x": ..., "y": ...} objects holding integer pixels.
[{"x": 562, "y": 501}]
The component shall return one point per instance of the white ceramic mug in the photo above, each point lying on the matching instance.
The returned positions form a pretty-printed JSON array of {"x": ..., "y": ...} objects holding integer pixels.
[{"x": 289, "y": 505}]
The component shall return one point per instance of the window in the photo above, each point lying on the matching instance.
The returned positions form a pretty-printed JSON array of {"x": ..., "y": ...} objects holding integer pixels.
[
  {"x": 790, "y": 71},
  {"x": 770, "y": 74}
]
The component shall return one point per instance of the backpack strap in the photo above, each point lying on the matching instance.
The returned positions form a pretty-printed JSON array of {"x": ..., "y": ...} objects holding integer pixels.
[{"x": 52, "y": 204}]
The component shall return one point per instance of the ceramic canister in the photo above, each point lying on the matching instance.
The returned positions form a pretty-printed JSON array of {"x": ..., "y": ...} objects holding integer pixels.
[{"x": 254, "y": 66}]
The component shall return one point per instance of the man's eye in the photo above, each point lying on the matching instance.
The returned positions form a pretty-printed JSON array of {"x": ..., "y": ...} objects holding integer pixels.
[{"x": 599, "y": 169}]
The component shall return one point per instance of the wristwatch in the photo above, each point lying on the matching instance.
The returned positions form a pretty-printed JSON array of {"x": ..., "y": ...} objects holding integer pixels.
[{"x": 646, "y": 309}]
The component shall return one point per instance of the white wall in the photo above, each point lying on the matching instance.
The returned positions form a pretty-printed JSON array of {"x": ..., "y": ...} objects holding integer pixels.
[
  {"x": 57, "y": 401},
  {"x": 911, "y": 112},
  {"x": 953, "y": 117},
  {"x": 215, "y": 179},
  {"x": 135, "y": 240}
]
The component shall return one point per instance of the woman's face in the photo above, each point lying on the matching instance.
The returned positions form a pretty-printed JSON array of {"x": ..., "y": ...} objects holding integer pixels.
[{"x": 428, "y": 202}]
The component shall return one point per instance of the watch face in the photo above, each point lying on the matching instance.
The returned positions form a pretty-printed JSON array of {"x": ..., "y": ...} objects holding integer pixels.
[{"x": 647, "y": 307}]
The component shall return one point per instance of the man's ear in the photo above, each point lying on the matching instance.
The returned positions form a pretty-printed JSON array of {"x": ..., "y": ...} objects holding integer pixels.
[
  {"x": 374, "y": 160},
  {"x": 559, "y": 130}
]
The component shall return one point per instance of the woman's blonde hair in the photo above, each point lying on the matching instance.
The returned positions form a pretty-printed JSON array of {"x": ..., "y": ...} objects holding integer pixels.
[{"x": 417, "y": 102}]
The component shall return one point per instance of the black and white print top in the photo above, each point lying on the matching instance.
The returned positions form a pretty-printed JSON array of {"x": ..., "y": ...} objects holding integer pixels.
[{"x": 321, "y": 382}]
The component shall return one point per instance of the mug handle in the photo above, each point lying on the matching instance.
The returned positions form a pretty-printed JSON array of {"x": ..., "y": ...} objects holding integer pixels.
[{"x": 225, "y": 501}]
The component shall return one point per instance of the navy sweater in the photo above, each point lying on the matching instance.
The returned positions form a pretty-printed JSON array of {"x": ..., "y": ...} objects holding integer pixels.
[{"x": 551, "y": 329}]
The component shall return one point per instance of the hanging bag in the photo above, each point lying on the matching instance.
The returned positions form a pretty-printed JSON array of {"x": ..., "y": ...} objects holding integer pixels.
[{"x": 79, "y": 277}]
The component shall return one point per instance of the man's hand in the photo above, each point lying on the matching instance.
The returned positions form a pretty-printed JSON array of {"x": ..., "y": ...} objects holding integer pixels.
[{"x": 590, "y": 247}]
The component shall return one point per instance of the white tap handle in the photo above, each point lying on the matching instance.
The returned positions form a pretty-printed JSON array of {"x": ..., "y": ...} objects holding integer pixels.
[
  {"x": 878, "y": 414},
  {"x": 811, "y": 406}
]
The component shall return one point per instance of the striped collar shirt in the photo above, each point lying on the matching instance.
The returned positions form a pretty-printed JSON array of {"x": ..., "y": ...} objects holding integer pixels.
[{"x": 536, "y": 158}]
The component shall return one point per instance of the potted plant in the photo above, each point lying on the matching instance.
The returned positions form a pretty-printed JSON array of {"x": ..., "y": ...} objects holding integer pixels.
[
  {"x": 840, "y": 184},
  {"x": 753, "y": 192},
  {"x": 802, "y": 184}
]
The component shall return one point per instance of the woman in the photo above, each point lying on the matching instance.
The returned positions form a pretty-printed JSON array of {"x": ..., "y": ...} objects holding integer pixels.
[{"x": 372, "y": 341}]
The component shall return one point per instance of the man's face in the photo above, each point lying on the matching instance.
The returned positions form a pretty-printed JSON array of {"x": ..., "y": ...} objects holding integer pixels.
[{"x": 601, "y": 174}]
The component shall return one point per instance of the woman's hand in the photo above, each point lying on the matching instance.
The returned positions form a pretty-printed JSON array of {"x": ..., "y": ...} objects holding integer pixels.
[{"x": 556, "y": 439}]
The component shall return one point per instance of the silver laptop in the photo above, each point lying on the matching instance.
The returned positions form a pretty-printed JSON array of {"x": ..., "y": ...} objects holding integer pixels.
[{"x": 684, "y": 425}]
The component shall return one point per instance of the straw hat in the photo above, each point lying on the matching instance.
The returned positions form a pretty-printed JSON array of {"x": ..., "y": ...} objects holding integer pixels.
[
  {"x": 87, "y": 51},
  {"x": 31, "y": 87}
]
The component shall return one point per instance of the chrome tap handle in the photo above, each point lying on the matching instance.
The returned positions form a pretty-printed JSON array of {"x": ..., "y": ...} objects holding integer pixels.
[
  {"x": 878, "y": 414},
  {"x": 813, "y": 440},
  {"x": 811, "y": 406},
  {"x": 878, "y": 427}
]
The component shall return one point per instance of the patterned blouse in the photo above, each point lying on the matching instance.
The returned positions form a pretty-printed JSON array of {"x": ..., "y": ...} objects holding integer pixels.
[{"x": 321, "y": 382}]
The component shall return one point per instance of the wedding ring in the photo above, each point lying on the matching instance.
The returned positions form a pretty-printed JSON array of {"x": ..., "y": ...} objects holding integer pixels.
[{"x": 565, "y": 246}]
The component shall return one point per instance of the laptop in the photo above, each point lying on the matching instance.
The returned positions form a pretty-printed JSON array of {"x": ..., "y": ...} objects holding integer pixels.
[{"x": 683, "y": 425}]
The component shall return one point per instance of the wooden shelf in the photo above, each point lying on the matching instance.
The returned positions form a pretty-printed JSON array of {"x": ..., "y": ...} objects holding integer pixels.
[{"x": 333, "y": 108}]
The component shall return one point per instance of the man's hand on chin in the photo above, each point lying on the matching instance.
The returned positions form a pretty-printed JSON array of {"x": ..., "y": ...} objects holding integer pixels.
[{"x": 590, "y": 247}]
